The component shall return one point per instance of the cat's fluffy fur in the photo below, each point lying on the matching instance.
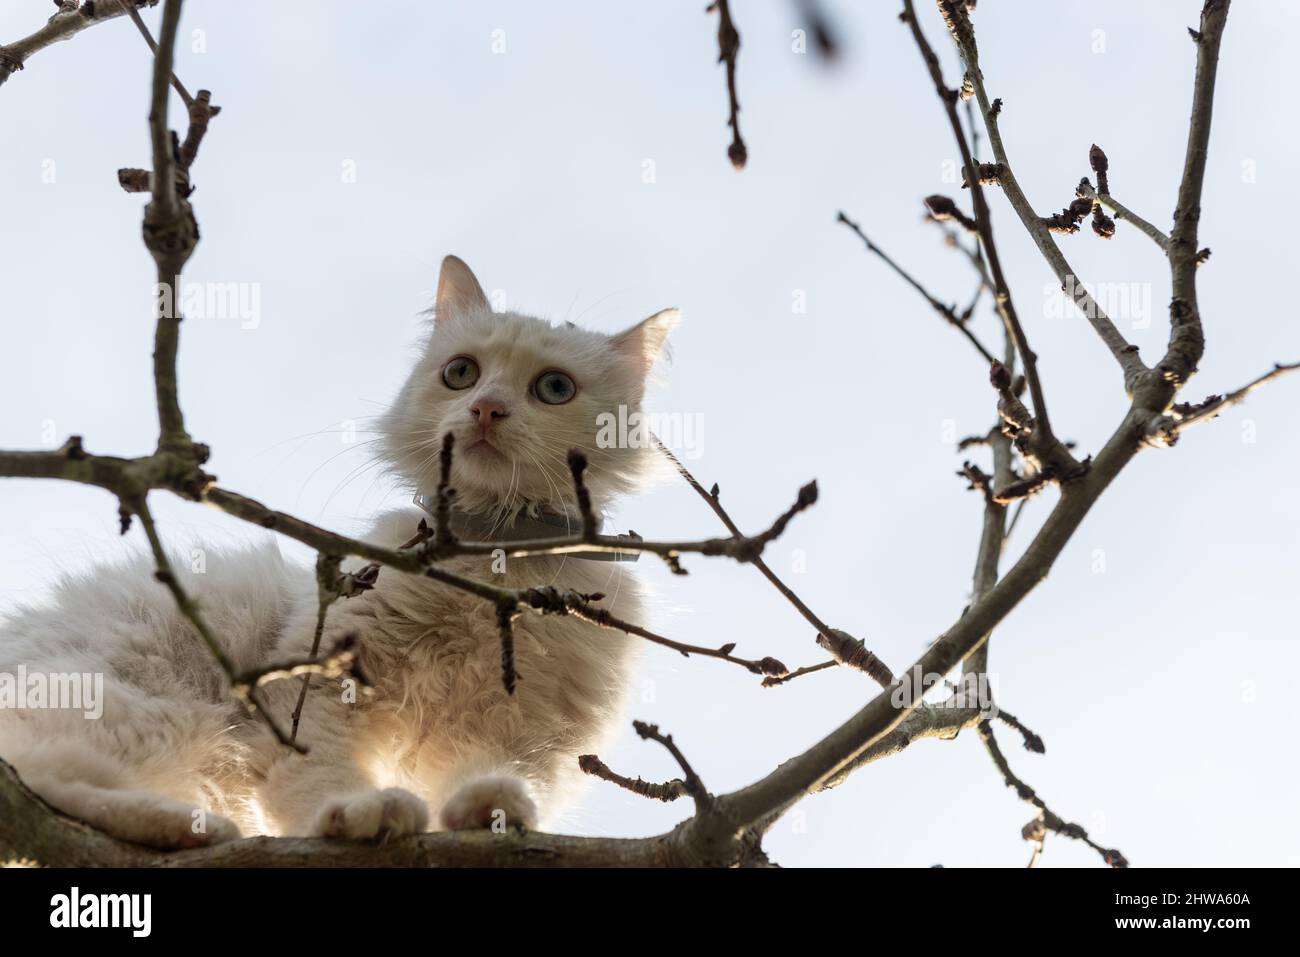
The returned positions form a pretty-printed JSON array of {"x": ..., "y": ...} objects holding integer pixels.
[{"x": 175, "y": 762}]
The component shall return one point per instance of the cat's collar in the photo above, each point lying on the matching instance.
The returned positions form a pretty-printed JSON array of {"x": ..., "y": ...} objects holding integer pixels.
[{"x": 471, "y": 527}]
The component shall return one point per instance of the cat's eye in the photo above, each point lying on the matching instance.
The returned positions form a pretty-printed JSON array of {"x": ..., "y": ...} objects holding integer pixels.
[
  {"x": 555, "y": 388},
  {"x": 460, "y": 373}
]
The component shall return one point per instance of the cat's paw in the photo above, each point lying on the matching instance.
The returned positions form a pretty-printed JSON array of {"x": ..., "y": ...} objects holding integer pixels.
[
  {"x": 372, "y": 815},
  {"x": 166, "y": 824},
  {"x": 492, "y": 802},
  {"x": 139, "y": 817}
]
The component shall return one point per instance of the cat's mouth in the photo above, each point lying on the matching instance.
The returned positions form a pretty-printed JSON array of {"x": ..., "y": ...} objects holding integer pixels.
[{"x": 484, "y": 446}]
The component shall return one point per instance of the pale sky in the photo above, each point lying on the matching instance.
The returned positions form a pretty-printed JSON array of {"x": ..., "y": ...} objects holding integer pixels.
[{"x": 358, "y": 146}]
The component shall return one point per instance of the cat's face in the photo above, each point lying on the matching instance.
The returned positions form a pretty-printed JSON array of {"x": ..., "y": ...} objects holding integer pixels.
[{"x": 517, "y": 393}]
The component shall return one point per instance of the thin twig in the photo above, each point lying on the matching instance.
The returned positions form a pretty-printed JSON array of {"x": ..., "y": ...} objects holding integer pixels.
[
  {"x": 190, "y": 609},
  {"x": 1032, "y": 741},
  {"x": 878, "y": 670},
  {"x": 773, "y": 680},
  {"x": 691, "y": 781},
  {"x": 148, "y": 38},
  {"x": 577, "y": 466},
  {"x": 667, "y": 792},
  {"x": 947, "y": 312},
  {"x": 1124, "y": 352},
  {"x": 442, "y": 533},
  {"x": 1122, "y": 212},
  {"x": 330, "y": 586},
  {"x": 1006, "y": 308},
  {"x": 728, "y": 47},
  {"x": 1183, "y": 415},
  {"x": 1049, "y": 818}
]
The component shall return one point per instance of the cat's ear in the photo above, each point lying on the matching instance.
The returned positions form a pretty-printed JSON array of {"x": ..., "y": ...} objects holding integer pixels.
[
  {"x": 646, "y": 341},
  {"x": 458, "y": 291}
]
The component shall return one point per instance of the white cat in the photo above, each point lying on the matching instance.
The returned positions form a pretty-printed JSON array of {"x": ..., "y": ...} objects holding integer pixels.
[{"x": 175, "y": 762}]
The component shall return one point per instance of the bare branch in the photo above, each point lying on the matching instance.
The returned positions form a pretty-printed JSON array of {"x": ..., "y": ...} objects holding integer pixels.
[
  {"x": 153, "y": 47},
  {"x": 823, "y": 36},
  {"x": 1125, "y": 353},
  {"x": 330, "y": 586},
  {"x": 852, "y": 653},
  {"x": 1186, "y": 339},
  {"x": 948, "y": 98},
  {"x": 246, "y": 692},
  {"x": 667, "y": 792},
  {"x": 1032, "y": 741},
  {"x": 64, "y": 25},
  {"x": 943, "y": 721},
  {"x": 947, "y": 312},
  {"x": 773, "y": 680},
  {"x": 1122, "y": 212},
  {"x": 33, "y": 829},
  {"x": 691, "y": 781},
  {"x": 577, "y": 466},
  {"x": 1165, "y": 429},
  {"x": 878, "y": 668},
  {"x": 1049, "y": 818}
]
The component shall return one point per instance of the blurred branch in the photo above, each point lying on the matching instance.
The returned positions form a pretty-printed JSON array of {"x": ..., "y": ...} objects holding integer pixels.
[
  {"x": 728, "y": 47},
  {"x": 153, "y": 47}
]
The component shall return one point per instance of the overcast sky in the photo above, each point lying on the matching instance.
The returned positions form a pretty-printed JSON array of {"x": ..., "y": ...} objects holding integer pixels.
[{"x": 577, "y": 161}]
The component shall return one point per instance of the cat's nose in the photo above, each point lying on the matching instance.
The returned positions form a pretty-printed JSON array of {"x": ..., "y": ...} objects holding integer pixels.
[{"x": 486, "y": 412}]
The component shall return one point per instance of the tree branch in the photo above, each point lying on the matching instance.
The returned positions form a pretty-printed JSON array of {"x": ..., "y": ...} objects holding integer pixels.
[
  {"x": 947, "y": 312},
  {"x": 1186, "y": 339},
  {"x": 64, "y": 25},
  {"x": 1043, "y": 429},
  {"x": 728, "y": 47},
  {"x": 1125, "y": 353},
  {"x": 667, "y": 792},
  {"x": 1122, "y": 212},
  {"x": 1047, "y": 816},
  {"x": 873, "y": 665}
]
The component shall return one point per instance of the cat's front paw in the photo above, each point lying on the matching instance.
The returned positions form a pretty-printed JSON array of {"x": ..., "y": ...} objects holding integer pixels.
[
  {"x": 493, "y": 802},
  {"x": 372, "y": 815},
  {"x": 173, "y": 826}
]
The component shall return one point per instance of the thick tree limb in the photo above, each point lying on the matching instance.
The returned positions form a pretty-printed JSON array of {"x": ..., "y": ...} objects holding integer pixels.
[{"x": 1186, "y": 339}]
